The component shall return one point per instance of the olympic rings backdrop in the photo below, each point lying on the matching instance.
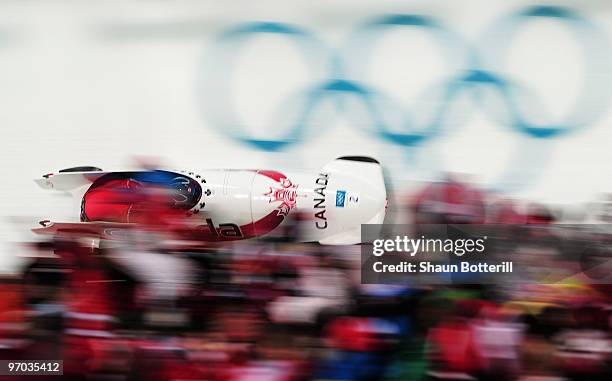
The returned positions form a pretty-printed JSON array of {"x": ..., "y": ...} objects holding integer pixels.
[
  {"x": 478, "y": 65},
  {"x": 475, "y": 68}
]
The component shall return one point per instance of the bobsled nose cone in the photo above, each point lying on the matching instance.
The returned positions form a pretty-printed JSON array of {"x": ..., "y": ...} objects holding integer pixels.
[{"x": 376, "y": 208}]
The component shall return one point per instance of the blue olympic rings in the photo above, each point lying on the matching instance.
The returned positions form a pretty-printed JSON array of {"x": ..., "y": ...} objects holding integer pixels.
[
  {"x": 347, "y": 79},
  {"x": 341, "y": 76},
  {"x": 217, "y": 98},
  {"x": 595, "y": 94}
]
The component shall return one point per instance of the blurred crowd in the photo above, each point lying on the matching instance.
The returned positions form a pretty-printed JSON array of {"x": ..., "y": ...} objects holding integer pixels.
[{"x": 278, "y": 310}]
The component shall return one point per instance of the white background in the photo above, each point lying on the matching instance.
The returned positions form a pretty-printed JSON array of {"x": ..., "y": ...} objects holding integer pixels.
[{"x": 98, "y": 83}]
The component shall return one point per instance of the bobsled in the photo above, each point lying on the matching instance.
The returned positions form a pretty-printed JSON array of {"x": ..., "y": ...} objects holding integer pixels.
[{"x": 215, "y": 205}]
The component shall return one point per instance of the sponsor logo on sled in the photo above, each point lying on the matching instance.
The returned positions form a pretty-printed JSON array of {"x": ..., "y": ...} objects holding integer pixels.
[{"x": 340, "y": 198}]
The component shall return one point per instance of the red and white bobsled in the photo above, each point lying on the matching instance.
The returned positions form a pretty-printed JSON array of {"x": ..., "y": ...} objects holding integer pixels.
[{"x": 225, "y": 205}]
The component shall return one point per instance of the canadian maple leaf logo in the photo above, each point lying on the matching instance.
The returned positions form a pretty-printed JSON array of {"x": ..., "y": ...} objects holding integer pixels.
[{"x": 286, "y": 193}]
